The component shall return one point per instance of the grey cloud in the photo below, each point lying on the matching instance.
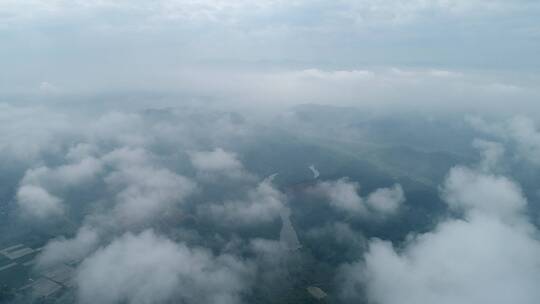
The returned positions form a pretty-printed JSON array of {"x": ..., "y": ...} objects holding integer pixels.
[
  {"x": 460, "y": 260},
  {"x": 519, "y": 131},
  {"x": 142, "y": 190},
  {"x": 262, "y": 205},
  {"x": 62, "y": 250},
  {"x": 468, "y": 191},
  {"x": 216, "y": 160},
  {"x": 217, "y": 164},
  {"x": 147, "y": 268},
  {"x": 386, "y": 201},
  {"x": 39, "y": 193},
  {"x": 71, "y": 69},
  {"x": 365, "y": 88},
  {"x": 524, "y": 132},
  {"x": 214, "y": 34},
  {"x": 23, "y": 138},
  {"x": 343, "y": 195},
  {"x": 492, "y": 153},
  {"x": 71, "y": 174},
  {"x": 37, "y": 202}
]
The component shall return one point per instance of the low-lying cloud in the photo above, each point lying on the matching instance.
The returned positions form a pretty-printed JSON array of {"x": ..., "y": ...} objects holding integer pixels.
[
  {"x": 343, "y": 195},
  {"x": 147, "y": 268},
  {"x": 491, "y": 255}
]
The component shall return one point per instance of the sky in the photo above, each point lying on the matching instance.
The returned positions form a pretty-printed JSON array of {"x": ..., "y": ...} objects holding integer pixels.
[
  {"x": 163, "y": 146},
  {"x": 275, "y": 53}
]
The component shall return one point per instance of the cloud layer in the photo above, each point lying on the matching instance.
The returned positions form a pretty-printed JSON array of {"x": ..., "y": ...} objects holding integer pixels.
[
  {"x": 146, "y": 268},
  {"x": 491, "y": 255},
  {"x": 343, "y": 195}
]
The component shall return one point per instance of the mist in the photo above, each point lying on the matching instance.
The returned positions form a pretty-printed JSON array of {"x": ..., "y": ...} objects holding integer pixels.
[{"x": 213, "y": 151}]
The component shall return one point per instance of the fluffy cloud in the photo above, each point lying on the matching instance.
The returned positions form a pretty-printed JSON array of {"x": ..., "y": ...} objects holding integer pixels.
[
  {"x": 344, "y": 195},
  {"x": 491, "y": 256},
  {"x": 481, "y": 260},
  {"x": 262, "y": 205},
  {"x": 468, "y": 191},
  {"x": 35, "y": 194},
  {"x": 139, "y": 189},
  {"x": 518, "y": 131},
  {"x": 142, "y": 190},
  {"x": 37, "y": 202},
  {"x": 216, "y": 160},
  {"x": 72, "y": 174},
  {"x": 146, "y": 192},
  {"x": 386, "y": 200},
  {"x": 147, "y": 268},
  {"x": 491, "y": 154},
  {"x": 62, "y": 250},
  {"x": 218, "y": 163},
  {"x": 24, "y": 138}
]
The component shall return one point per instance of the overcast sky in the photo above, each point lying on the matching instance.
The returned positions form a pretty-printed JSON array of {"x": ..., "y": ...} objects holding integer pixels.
[
  {"x": 189, "y": 188},
  {"x": 233, "y": 48}
]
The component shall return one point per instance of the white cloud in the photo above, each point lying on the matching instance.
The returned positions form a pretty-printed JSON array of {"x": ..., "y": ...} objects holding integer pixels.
[
  {"x": 40, "y": 190},
  {"x": 386, "y": 201},
  {"x": 482, "y": 260},
  {"x": 262, "y": 205},
  {"x": 469, "y": 191},
  {"x": 519, "y": 131},
  {"x": 492, "y": 153},
  {"x": 140, "y": 190},
  {"x": 27, "y": 132},
  {"x": 63, "y": 176},
  {"x": 343, "y": 195},
  {"x": 216, "y": 160},
  {"x": 81, "y": 151},
  {"x": 147, "y": 268},
  {"x": 143, "y": 191},
  {"x": 217, "y": 164},
  {"x": 386, "y": 88},
  {"x": 116, "y": 128},
  {"x": 525, "y": 133},
  {"x": 62, "y": 250},
  {"x": 315, "y": 172},
  {"x": 36, "y": 202},
  {"x": 490, "y": 256}
]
